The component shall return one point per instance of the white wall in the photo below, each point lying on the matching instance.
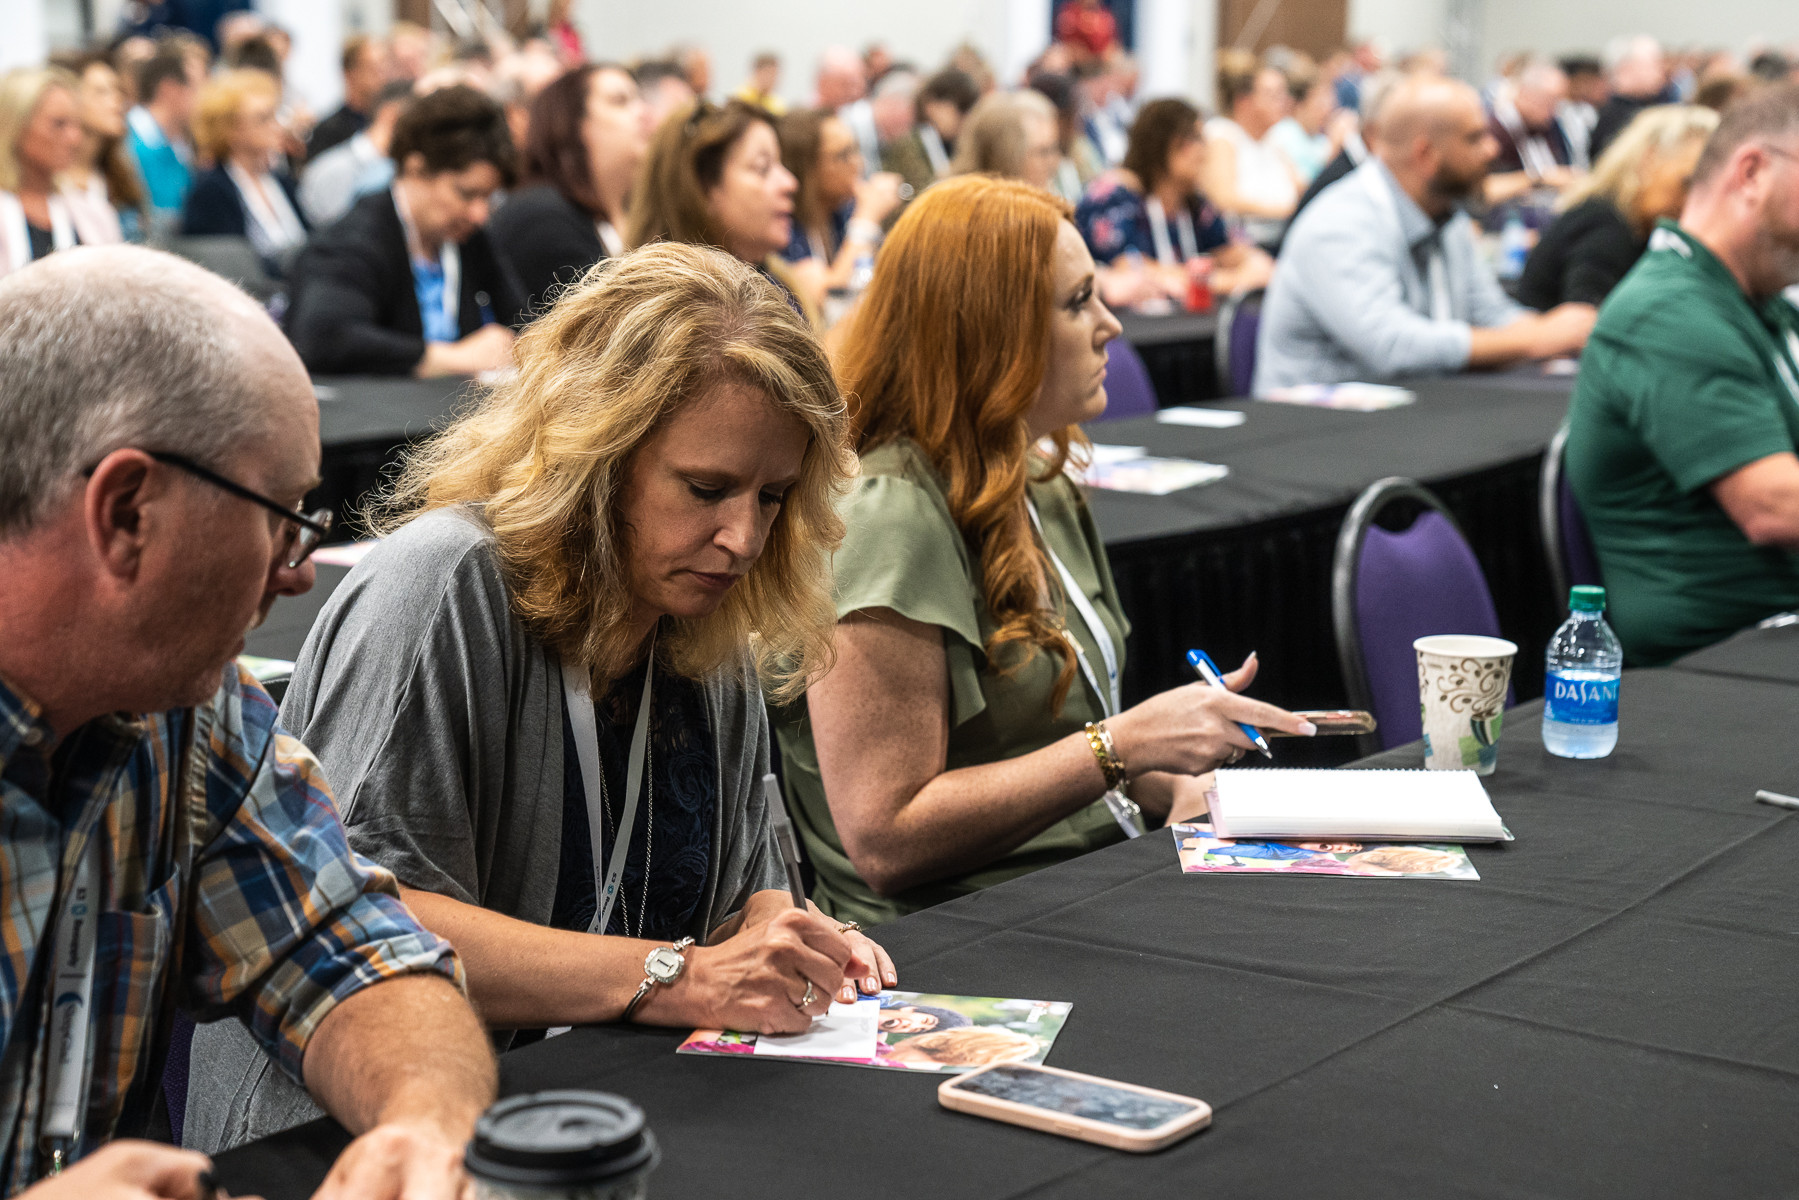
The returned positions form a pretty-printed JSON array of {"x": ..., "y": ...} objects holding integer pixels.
[
  {"x": 1566, "y": 26},
  {"x": 922, "y": 31},
  {"x": 1561, "y": 26},
  {"x": 27, "y": 37},
  {"x": 1402, "y": 24}
]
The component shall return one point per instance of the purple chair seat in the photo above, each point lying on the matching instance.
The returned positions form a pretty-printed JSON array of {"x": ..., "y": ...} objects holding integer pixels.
[
  {"x": 1129, "y": 392},
  {"x": 1391, "y": 587}
]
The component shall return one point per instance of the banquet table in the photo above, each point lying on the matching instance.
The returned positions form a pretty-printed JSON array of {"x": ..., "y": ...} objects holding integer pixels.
[
  {"x": 1178, "y": 351},
  {"x": 1233, "y": 566},
  {"x": 1608, "y": 1012}
]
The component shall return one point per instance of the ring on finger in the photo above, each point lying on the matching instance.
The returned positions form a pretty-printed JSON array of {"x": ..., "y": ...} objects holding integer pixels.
[
  {"x": 810, "y": 995},
  {"x": 850, "y": 927}
]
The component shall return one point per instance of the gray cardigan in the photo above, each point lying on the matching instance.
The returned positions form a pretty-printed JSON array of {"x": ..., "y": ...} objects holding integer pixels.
[{"x": 438, "y": 720}]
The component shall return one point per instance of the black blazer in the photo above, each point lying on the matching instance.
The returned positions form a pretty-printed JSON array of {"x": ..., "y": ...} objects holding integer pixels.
[
  {"x": 216, "y": 207},
  {"x": 548, "y": 240},
  {"x": 354, "y": 310},
  {"x": 1582, "y": 256}
]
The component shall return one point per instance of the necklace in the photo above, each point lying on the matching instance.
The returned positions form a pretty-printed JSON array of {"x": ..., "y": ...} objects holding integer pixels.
[{"x": 649, "y": 833}]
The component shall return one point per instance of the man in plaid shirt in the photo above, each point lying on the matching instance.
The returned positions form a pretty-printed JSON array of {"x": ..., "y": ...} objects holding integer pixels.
[{"x": 158, "y": 435}]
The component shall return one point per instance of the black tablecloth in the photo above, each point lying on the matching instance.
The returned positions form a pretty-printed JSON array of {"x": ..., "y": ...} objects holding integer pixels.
[
  {"x": 1754, "y": 654},
  {"x": 1178, "y": 351},
  {"x": 1609, "y": 1011},
  {"x": 364, "y": 424},
  {"x": 1244, "y": 564}
]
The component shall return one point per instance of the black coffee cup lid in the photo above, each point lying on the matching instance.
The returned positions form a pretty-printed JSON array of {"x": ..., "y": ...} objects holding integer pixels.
[{"x": 548, "y": 1139}]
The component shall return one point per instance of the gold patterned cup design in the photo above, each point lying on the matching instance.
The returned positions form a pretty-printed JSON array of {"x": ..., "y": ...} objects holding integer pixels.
[{"x": 1461, "y": 695}]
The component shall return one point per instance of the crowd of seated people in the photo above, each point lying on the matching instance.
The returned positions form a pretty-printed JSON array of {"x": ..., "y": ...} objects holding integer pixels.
[{"x": 768, "y": 466}]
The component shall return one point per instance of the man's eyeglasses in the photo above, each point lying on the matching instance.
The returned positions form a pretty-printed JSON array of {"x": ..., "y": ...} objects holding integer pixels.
[{"x": 306, "y": 530}]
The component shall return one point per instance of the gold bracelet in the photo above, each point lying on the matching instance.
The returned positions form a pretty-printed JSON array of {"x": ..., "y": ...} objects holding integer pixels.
[{"x": 1099, "y": 740}]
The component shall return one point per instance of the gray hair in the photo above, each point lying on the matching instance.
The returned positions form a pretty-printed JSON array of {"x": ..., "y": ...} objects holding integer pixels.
[{"x": 107, "y": 347}]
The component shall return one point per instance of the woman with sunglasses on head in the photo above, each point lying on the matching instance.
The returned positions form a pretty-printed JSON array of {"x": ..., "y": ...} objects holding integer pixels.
[
  {"x": 837, "y": 214},
  {"x": 539, "y": 697},
  {"x": 714, "y": 178},
  {"x": 971, "y": 728}
]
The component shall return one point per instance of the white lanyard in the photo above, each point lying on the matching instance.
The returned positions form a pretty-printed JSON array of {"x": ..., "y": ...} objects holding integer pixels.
[
  {"x": 1123, "y": 809},
  {"x": 1109, "y": 701},
  {"x": 609, "y": 237},
  {"x": 1158, "y": 230},
  {"x": 71, "y": 1008},
  {"x": 1783, "y": 365},
  {"x": 1534, "y": 154},
  {"x": 587, "y": 747},
  {"x": 18, "y": 230},
  {"x": 273, "y": 224},
  {"x": 1441, "y": 305},
  {"x": 449, "y": 261},
  {"x": 934, "y": 149}
]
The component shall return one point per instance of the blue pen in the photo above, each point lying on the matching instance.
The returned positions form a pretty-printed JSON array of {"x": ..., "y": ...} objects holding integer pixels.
[{"x": 1202, "y": 664}]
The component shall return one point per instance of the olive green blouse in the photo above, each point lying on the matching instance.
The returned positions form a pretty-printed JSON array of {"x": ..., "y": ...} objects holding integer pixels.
[{"x": 903, "y": 551}]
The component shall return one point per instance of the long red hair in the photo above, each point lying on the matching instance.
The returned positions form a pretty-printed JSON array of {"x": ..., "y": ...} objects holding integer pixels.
[{"x": 949, "y": 348}]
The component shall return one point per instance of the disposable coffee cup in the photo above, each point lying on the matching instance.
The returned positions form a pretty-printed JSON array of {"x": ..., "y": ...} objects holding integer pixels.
[
  {"x": 1462, "y": 681},
  {"x": 563, "y": 1145}
]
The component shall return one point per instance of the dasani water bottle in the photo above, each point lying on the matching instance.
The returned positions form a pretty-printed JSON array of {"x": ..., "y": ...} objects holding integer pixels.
[{"x": 1580, "y": 694}]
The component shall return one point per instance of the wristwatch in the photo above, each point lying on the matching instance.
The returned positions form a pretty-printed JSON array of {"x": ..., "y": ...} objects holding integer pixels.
[{"x": 664, "y": 964}]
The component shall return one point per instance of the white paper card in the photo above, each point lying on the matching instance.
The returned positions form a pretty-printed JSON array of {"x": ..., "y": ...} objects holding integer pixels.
[
  {"x": 1202, "y": 418},
  {"x": 1392, "y": 805},
  {"x": 847, "y": 1031},
  {"x": 1152, "y": 476},
  {"x": 1104, "y": 453}
]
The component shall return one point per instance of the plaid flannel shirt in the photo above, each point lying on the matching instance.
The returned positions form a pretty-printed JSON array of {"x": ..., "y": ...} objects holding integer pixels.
[{"x": 227, "y": 888}]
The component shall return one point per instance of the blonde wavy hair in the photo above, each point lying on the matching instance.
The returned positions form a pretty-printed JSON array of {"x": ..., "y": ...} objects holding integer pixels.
[
  {"x": 1652, "y": 134},
  {"x": 21, "y": 91},
  {"x": 546, "y": 454},
  {"x": 220, "y": 101}
]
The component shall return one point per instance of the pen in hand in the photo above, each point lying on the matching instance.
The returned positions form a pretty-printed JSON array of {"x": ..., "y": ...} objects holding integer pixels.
[
  {"x": 1202, "y": 664},
  {"x": 783, "y": 830}
]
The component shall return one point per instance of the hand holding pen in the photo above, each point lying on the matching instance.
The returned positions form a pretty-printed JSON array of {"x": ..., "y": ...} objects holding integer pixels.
[{"x": 1190, "y": 730}]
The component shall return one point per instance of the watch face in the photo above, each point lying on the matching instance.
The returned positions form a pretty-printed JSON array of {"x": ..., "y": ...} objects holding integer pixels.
[{"x": 664, "y": 965}]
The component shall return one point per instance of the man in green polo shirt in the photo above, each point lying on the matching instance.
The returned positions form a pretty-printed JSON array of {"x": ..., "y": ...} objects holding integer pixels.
[{"x": 1684, "y": 426}]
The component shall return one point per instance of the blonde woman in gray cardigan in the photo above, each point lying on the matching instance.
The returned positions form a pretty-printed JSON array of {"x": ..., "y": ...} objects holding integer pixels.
[{"x": 643, "y": 517}]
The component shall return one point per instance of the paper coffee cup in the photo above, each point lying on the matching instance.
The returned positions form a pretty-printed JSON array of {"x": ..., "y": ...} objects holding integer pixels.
[{"x": 1462, "y": 680}]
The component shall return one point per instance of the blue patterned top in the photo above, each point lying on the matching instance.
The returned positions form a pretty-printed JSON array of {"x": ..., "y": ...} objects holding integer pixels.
[
  {"x": 678, "y": 828},
  {"x": 1113, "y": 219}
]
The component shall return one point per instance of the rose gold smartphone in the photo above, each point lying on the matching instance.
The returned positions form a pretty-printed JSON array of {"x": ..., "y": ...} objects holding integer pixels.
[
  {"x": 1120, "y": 1115},
  {"x": 1333, "y": 720}
]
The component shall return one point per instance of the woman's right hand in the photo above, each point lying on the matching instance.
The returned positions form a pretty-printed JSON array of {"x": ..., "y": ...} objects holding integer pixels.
[
  {"x": 877, "y": 196},
  {"x": 753, "y": 981},
  {"x": 1192, "y": 729}
]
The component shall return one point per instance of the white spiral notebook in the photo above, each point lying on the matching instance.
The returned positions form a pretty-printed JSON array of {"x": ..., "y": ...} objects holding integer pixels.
[{"x": 1388, "y": 806}]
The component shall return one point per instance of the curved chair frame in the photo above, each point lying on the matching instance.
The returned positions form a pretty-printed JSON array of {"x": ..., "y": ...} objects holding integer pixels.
[
  {"x": 1344, "y": 564},
  {"x": 1221, "y": 340},
  {"x": 1549, "y": 516}
]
